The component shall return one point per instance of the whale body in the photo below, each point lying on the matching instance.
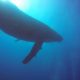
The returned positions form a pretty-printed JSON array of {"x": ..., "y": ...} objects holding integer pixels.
[{"x": 16, "y": 23}]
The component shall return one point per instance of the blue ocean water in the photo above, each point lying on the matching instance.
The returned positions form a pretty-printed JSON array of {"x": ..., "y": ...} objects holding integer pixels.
[{"x": 55, "y": 61}]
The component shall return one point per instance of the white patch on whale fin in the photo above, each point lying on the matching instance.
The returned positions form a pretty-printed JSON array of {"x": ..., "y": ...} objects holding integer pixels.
[{"x": 34, "y": 51}]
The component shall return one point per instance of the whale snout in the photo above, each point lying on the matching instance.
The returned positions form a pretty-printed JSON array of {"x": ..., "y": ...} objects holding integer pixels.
[
  {"x": 59, "y": 38},
  {"x": 53, "y": 36}
]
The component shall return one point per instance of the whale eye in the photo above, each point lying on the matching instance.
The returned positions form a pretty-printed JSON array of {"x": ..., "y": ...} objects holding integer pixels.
[{"x": 22, "y": 4}]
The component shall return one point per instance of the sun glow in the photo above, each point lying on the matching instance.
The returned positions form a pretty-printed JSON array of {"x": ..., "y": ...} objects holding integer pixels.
[{"x": 22, "y": 4}]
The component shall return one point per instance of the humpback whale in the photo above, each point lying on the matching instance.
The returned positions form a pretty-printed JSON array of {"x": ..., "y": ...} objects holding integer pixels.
[{"x": 18, "y": 24}]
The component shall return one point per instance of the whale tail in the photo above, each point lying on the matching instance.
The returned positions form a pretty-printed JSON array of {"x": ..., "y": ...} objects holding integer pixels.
[{"x": 35, "y": 49}]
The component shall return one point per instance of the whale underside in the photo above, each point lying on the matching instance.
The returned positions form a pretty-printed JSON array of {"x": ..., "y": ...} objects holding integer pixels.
[{"x": 22, "y": 26}]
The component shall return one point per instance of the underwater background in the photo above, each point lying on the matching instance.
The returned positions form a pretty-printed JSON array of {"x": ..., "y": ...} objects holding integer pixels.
[{"x": 55, "y": 61}]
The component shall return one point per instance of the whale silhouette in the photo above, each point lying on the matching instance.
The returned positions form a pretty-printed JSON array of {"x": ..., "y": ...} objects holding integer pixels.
[{"x": 16, "y": 23}]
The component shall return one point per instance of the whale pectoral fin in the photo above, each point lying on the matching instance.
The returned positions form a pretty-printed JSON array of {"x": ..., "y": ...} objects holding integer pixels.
[{"x": 35, "y": 49}]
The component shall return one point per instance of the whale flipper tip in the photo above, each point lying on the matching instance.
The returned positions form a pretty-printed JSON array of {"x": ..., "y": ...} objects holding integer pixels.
[{"x": 35, "y": 49}]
